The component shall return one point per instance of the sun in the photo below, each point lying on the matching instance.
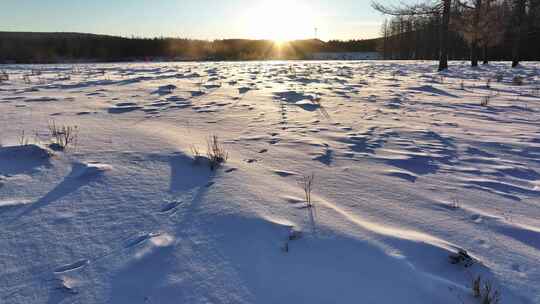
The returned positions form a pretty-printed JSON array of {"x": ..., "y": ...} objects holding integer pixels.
[{"x": 279, "y": 20}]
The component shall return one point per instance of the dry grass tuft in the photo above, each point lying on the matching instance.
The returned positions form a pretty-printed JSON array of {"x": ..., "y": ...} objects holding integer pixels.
[
  {"x": 217, "y": 155},
  {"x": 487, "y": 294},
  {"x": 63, "y": 136},
  {"x": 307, "y": 184}
]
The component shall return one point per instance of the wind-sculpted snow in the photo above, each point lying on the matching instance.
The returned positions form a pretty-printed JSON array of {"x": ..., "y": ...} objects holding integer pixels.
[{"x": 410, "y": 166}]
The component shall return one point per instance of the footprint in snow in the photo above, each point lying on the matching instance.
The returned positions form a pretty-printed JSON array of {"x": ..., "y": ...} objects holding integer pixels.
[
  {"x": 402, "y": 175},
  {"x": 72, "y": 266},
  {"x": 517, "y": 267},
  {"x": 283, "y": 173},
  {"x": 91, "y": 169},
  {"x": 293, "y": 200},
  {"x": 84, "y": 113},
  {"x": 141, "y": 239},
  {"x": 327, "y": 158},
  {"x": 477, "y": 218},
  {"x": 170, "y": 206},
  {"x": 125, "y": 104},
  {"x": 122, "y": 110}
]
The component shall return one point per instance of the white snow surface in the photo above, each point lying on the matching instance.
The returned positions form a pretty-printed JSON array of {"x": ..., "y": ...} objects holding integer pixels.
[{"x": 409, "y": 168}]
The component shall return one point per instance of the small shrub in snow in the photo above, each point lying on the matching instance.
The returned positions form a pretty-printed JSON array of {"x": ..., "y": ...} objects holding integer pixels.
[
  {"x": 307, "y": 185},
  {"x": 196, "y": 154},
  {"x": 167, "y": 88},
  {"x": 292, "y": 70},
  {"x": 26, "y": 79},
  {"x": 485, "y": 100},
  {"x": 477, "y": 287},
  {"x": 490, "y": 295},
  {"x": 535, "y": 91},
  {"x": 216, "y": 153},
  {"x": 395, "y": 75},
  {"x": 518, "y": 80},
  {"x": 24, "y": 140},
  {"x": 293, "y": 236},
  {"x": 455, "y": 204},
  {"x": 63, "y": 77},
  {"x": 3, "y": 76},
  {"x": 461, "y": 257},
  {"x": 63, "y": 136},
  {"x": 462, "y": 85},
  {"x": 486, "y": 293},
  {"x": 488, "y": 83}
]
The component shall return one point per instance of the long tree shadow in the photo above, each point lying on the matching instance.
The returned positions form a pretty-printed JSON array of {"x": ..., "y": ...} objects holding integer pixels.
[
  {"x": 73, "y": 181},
  {"x": 25, "y": 159},
  {"x": 188, "y": 178},
  {"x": 426, "y": 151},
  {"x": 432, "y": 90},
  {"x": 188, "y": 174}
]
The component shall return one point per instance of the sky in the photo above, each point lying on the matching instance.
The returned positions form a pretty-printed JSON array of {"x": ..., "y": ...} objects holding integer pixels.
[{"x": 202, "y": 19}]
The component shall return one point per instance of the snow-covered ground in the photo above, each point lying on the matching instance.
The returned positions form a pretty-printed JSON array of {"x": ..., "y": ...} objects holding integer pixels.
[{"x": 408, "y": 168}]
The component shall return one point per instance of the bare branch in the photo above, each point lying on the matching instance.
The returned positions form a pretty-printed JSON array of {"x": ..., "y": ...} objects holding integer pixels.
[
  {"x": 463, "y": 4},
  {"x": 408, "y": 10}
]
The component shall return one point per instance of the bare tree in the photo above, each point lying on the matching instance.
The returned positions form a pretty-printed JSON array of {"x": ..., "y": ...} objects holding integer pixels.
[
  {"x": 445, "y": 26},
  {"x": 476, "y": 32},
  {"x": 307, "y": 185},
  {"x": 534, "y": 28},
  {"x": 518, "y": 23},
  {"x": 385, "y": 34},
  {"x": 492, "y": 33},
  {"x": 441, "y": 7},
  {"x": 480, "y": 24}
]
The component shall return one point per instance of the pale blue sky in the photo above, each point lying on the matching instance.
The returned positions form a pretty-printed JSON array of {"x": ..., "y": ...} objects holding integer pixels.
[{"x": 205, "y": 19}]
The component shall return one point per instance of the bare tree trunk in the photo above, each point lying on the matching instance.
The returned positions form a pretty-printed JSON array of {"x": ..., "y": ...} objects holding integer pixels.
[
  {"x": 474, "y": 53},
  {"x": 485, "y": 54},
  {"x": 534, "y": 27},
  {"x": 445, "y": 24},
  {"x": 519, "y": 15},
  {"x": 401, "y": 39},
  {"x": 385, "y": 39},
  {"x": 476, "y": 33}
]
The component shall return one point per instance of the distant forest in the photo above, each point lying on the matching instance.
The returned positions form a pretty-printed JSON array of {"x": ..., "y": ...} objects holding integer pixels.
[
  {"x": 417, "y": 38},
  {"x": 19, "y": 47},
  {"x": 476, "y": 30}
]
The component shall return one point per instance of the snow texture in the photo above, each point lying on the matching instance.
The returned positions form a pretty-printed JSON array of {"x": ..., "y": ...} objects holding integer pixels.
[{"x": 410, "y": 167}]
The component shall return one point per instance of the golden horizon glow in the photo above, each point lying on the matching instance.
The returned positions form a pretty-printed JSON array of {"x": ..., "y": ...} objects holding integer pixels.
[{"x": 280, "y": 21}]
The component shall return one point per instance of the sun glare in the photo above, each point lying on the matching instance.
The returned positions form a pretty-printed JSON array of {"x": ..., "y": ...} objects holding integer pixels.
[{"x": 280, "y": 21}]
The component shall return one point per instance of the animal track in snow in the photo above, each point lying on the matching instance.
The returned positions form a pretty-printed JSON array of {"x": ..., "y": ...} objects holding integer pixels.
[
  {"x": 72, "y": 266},
  {"x": 170, "y": 206},
  {"x": 141, "y": 239}
]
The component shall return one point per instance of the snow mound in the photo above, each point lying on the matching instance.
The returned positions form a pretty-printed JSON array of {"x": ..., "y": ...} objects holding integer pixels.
[
  {"x": 306, "y": 101},
  {"x": 414, "y": 180},
  {"x": 13, "y": 203},
  {"x": 24, "y": 152},
  {"x": 23, "y": 159},
  {"x": 85, "y": 170}
]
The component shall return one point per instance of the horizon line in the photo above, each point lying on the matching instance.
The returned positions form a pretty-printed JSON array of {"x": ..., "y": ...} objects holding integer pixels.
[{"x": 133, "y": 36}]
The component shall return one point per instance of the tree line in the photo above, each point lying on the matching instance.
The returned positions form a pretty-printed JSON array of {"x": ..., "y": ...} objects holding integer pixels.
[
  {"x": 476, "y": 30},
  {"x": 18, "y": 47}
]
